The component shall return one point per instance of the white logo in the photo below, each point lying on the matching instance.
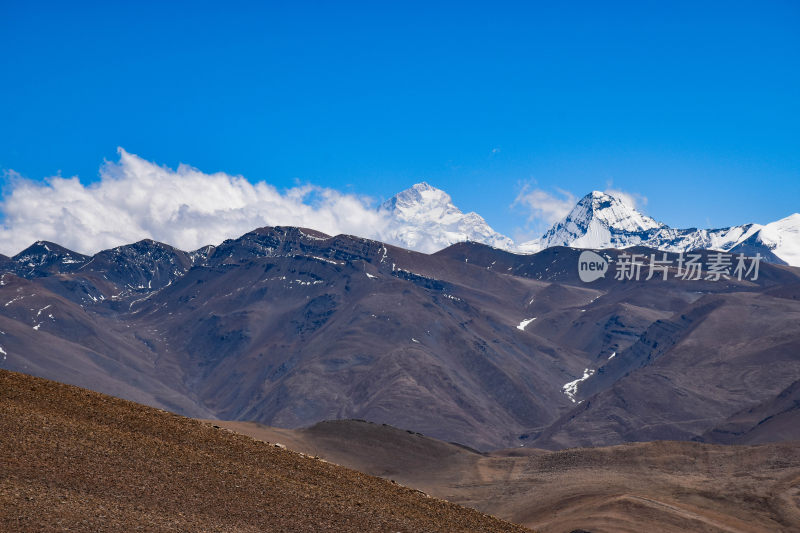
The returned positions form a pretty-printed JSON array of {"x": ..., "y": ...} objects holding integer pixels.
[
  {"x": 684, "y": 266},
  {"x": 591, "y": 266}
]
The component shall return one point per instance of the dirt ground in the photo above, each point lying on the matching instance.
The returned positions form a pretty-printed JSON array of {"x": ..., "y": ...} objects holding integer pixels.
[
  {"x": 661, "y": 486},
  {"x": 71, "y": 459}
]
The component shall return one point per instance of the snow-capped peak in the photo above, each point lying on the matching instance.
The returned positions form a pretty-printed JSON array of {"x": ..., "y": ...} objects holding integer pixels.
[
  {"x": 602, "y": 220},
  {"x": 424, "y": 218},
  {"x": 782, "y": 238},
  {"x": 598, "y": 220},
  {"x": 612, "y": 211},
  {"x": 421, "y": 201}
]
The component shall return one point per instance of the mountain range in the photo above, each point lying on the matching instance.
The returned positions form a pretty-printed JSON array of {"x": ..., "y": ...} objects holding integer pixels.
[
  {"x": 425, "y": 219},
  {"x": 288, "y": 326}
]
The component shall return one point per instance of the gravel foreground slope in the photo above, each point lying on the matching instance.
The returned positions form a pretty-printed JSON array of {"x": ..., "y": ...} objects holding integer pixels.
[
  {"x": 72, "y": 459},
  {"x": 663, "y": 486}
]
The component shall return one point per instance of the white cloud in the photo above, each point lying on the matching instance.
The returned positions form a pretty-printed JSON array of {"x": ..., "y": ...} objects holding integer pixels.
[
  {"x": 546, "y": 207},
  {"x": 137, "y": 199},
  {"x": 184, "y": 207},
  {"x": 632, "y": 199}
]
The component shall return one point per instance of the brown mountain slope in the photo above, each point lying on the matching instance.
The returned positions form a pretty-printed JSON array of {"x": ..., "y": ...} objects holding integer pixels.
[
  {"x": 722, "y": 354},
  {"x": 657, "y": 486},
  {"x": 775, "y": 420},
  {"x": 289, "y": 327},
  {"x": 78, "y": 460}
]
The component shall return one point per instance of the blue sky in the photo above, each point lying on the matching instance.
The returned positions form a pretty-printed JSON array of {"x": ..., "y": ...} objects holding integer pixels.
[{"x": 692, "y": 105}]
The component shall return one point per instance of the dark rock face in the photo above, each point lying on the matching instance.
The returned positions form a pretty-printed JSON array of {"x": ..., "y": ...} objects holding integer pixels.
[
  {"x": 288, "y": 326},
  {"x": 43, "y": 258}
]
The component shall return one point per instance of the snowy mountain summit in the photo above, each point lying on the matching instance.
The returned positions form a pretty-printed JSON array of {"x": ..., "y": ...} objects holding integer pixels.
[
  {"x": 601, "y": 220},
  {"x": 598, "y": 220},
  {"x": 424, "y": 218}
]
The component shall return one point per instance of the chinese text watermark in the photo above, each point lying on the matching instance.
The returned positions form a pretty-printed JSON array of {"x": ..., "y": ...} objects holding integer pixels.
[{"x": 684, "y": 266}]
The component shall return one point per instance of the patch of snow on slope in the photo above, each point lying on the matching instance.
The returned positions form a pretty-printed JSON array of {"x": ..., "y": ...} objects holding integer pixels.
[
  {"x": 524, "y": 323},
  {"x": 14, "y": 300},
  {"x": 571, "y": 388}
]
